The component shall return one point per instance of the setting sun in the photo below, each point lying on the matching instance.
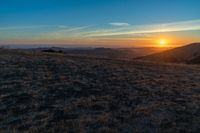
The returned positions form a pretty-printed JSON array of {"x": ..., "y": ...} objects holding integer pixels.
[{"x": 163, "y": 42}]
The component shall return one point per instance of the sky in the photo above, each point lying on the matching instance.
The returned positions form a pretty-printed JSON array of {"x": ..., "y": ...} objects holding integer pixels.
[{"x": 107, "y": 23}]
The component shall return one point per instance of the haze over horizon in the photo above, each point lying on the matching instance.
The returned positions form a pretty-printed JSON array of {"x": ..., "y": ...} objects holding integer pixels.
[{"x": 111, "y": 23}]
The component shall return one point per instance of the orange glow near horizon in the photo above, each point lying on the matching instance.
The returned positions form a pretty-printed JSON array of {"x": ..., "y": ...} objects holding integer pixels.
[
  {"x": 159, "y": 41},
  {"x": 162, "y": 43}
]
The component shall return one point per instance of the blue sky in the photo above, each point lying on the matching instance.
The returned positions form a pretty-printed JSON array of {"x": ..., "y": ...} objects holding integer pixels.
[{"x": 97, "y": 21}]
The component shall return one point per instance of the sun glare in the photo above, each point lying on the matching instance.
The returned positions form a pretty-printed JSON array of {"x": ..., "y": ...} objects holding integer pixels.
[{"x": 163, "y": 42}]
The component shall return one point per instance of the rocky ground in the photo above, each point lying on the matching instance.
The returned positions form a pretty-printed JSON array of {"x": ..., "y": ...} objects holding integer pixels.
[{"x": 50, "y": 92}]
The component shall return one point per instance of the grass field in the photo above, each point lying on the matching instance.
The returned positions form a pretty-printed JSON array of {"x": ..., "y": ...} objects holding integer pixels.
[{"x": 50, "y": 92}]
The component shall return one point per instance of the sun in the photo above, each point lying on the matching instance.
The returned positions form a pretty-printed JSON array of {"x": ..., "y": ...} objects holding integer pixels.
[{"x": 163, "y": 42}]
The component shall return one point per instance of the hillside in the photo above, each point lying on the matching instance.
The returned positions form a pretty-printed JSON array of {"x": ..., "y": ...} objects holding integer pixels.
[
  {"x": 189, "y": 53},
  {"x": 54, "y": 92},
  {"x": 114, "y": 53}
]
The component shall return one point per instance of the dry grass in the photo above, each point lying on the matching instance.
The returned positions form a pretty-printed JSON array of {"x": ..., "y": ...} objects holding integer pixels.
[{"x": 41, "y": 92}]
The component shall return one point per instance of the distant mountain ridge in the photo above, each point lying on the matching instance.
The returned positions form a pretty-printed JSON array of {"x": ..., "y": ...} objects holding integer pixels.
[
  {"x": 116, "y": 53},
  {"x": 185, "y": 54}
]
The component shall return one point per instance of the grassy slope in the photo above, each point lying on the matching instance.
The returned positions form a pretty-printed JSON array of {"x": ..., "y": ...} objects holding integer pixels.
[
  {"x": 55, "y": 93},
  {"x": 182, "y": 54}
]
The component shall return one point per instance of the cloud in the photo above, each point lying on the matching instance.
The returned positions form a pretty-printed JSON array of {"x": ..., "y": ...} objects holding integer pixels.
[
  {"x": 76, "y": 28},
  {"x": 23, "y": 27},
  {"x": 119, "y": 24},
  {"x": 115, "y": 32},
  {"x": 149, "y": 29},
  {"x": 64, "y": 33},
  {"x": 41, "y": 32}
]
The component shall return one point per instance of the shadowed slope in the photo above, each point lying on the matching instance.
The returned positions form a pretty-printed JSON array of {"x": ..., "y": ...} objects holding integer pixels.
[{"x": 178, "y": 55}]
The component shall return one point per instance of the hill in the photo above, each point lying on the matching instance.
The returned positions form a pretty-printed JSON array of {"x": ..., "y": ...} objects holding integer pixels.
[
  {"x": 114, "y": 53},
  {"x": 186, "y": 54},
  {"x": 55, "y": 92}
]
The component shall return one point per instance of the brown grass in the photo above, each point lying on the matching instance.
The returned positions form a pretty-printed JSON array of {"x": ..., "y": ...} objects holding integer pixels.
[{"x": 41, "y": 92}]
